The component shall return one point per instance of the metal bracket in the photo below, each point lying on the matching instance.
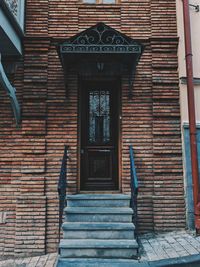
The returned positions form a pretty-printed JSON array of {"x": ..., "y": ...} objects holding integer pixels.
[
  {"x": 11, "y": 91},
  {"x": 196, "y": 7}
]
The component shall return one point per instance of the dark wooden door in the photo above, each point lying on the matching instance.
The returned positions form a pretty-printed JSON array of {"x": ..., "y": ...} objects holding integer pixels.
[{"x": 99, "y": 136}]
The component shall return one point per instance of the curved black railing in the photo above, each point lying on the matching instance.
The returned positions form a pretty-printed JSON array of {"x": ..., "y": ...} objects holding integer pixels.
[
  {"x": 62, "y": 185},
  {"x": 134, "y": 189}
]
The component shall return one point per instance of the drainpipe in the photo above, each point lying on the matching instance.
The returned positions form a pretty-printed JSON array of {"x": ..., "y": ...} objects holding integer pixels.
[{"x": 191, "y": 112}]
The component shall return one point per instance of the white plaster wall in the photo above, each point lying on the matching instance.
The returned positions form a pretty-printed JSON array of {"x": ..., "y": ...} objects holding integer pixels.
[
  {"x": 195, "y": 36},
  {"x": 184, "y": 104}
]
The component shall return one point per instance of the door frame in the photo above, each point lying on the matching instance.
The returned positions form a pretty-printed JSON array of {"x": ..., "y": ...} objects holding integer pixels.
[{"x": 82, "y": 81}]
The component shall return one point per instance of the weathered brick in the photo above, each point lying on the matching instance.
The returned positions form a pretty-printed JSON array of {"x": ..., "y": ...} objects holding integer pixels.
[{"x": 31, "y": 156}]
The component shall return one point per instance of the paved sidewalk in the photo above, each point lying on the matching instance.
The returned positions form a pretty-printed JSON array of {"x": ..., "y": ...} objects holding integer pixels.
[
  {"x": 39, "y": 261},
  {"x": 169, "y": 245},
  {"x": 154, "y": 247}
]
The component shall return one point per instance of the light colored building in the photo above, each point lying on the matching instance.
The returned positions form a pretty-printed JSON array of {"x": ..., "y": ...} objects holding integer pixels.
[{"x": 195, "y": 38}]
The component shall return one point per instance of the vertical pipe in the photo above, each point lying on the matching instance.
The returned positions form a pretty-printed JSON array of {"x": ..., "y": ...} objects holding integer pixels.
[{"x": 191, "y": 111}]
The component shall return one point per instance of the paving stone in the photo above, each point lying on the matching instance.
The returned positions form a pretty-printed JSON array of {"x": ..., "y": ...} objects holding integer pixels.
[
  {"x": 33, "y": 261},
  {"x": 169, "y": 245},
  {"x": 164, "y": 244},
  {"x": 155, "y": 247},
  {"x": 171, "y": 253},
  {"x": 7, "y": 263},
  {"x": 18, "y": 261},
  {"x": 193, "y": 242},
  {"x": 21, "y": 265},
  {"x": 197, "y": 238},
  {"x": 149, "y": 251},
  {"x": 178, "y": 248},
  {"x": 39, "y": 261},
  {"x": 183, "y": 253},
  {"x": 2, "y": 263},
  {"x": 51, "y": 260},
  {"x": 158, "y": 249},
  {"x": 170, "y": 239},
  {"x": 186, "y": 245},
  {"x": 42, "y": 261},
  {"x": 26, "y": 261}
]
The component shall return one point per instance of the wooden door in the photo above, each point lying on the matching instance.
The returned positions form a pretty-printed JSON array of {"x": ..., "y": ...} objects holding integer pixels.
[{"x": 99, "y": 136}]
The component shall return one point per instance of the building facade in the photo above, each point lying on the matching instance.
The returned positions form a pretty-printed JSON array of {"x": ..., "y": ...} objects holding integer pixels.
[
  {"x": 57, "y": 93},
  {"x": 11, "y": 52},
  {"x": 194, "y": 20}
]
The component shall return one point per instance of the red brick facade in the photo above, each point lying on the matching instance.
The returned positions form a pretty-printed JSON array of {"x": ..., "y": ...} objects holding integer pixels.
[{"x": 31, "y": 155}]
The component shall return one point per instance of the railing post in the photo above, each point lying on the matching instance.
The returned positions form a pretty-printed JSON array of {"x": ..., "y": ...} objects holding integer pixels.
[
  {"x": 134, "y": 188},
  {"x": 62, "y": 185}
]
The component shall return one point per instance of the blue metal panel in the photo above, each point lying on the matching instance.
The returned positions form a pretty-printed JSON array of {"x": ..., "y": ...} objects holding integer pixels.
[
  {"x": 189, "y": 191},
  {"x": 11, "y": 27},
  {"x": 4, "y": 82},
  {"x": 10, "y": 41}
]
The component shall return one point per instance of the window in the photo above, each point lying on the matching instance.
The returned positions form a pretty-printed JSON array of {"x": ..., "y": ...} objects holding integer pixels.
[{"x": 100, "y": 1}]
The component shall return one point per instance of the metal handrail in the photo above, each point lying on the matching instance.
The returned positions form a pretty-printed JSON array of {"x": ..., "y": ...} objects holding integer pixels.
[
  {"x": 134, "y": 189},
  {"x": 62, "y": 185},
  {"x": 134, "y": 179}
]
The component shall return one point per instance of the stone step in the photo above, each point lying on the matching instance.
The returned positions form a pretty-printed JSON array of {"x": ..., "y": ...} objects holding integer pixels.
[
  {"x": 98, "y": 214},
  {"x": 98, "y": 200},
  {"x": 98, "y": 248},
  {"x": 98, "y": 230},
  {"x": 95, "y": 262}
]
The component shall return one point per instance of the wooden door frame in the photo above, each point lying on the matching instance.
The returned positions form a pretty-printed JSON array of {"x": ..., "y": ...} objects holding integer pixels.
[{"x": 117, "y": 80}]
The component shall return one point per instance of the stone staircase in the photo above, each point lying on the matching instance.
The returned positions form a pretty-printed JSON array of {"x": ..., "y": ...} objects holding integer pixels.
[{"x": 98, "y": 231}]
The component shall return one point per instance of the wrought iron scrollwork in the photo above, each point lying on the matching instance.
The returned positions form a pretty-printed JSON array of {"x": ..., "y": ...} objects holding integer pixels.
[
  {"x": 100, "y": 39},
  {"x": 102, "y": 34},
  {"x": 101, "y": 43},
  {"x": 13, "y": 5}
]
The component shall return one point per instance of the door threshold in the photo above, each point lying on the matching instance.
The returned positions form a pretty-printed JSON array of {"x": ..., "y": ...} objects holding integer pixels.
[{"x": 100, "y": 192}]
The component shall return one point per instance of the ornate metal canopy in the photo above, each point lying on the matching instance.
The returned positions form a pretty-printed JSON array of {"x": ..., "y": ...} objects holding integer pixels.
[{"x": 102, "y": 45}]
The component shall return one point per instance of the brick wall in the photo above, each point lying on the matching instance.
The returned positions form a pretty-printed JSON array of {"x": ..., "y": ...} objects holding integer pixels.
[{"x": 31, "y": 156}]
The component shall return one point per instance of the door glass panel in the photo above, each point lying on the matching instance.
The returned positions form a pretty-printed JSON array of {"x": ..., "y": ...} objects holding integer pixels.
[{"x": 99, "y": 116}]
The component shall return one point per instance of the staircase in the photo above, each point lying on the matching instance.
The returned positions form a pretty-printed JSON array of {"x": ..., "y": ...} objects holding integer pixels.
[{"x": 98, "y": 231}]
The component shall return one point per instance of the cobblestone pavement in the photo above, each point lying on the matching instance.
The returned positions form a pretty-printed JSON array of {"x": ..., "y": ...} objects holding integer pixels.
[
  {"x": 169, "y": 245},
  {"x": 39, "y": 261},
  {"x": 154, "y": 247}
]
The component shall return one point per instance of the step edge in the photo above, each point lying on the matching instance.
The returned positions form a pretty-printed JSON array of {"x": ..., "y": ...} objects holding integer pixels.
[
  {"x": 97, "y": 226},
  {"x": 98, "y": 243},
  {"x": 98, "y": 197},
  {"x": 97, "y": 210},
  {"x": 101, "y": 260}
]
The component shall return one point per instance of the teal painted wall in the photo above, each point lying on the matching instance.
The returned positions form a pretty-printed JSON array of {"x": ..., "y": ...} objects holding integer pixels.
[{"x": 188, "y": 189}]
